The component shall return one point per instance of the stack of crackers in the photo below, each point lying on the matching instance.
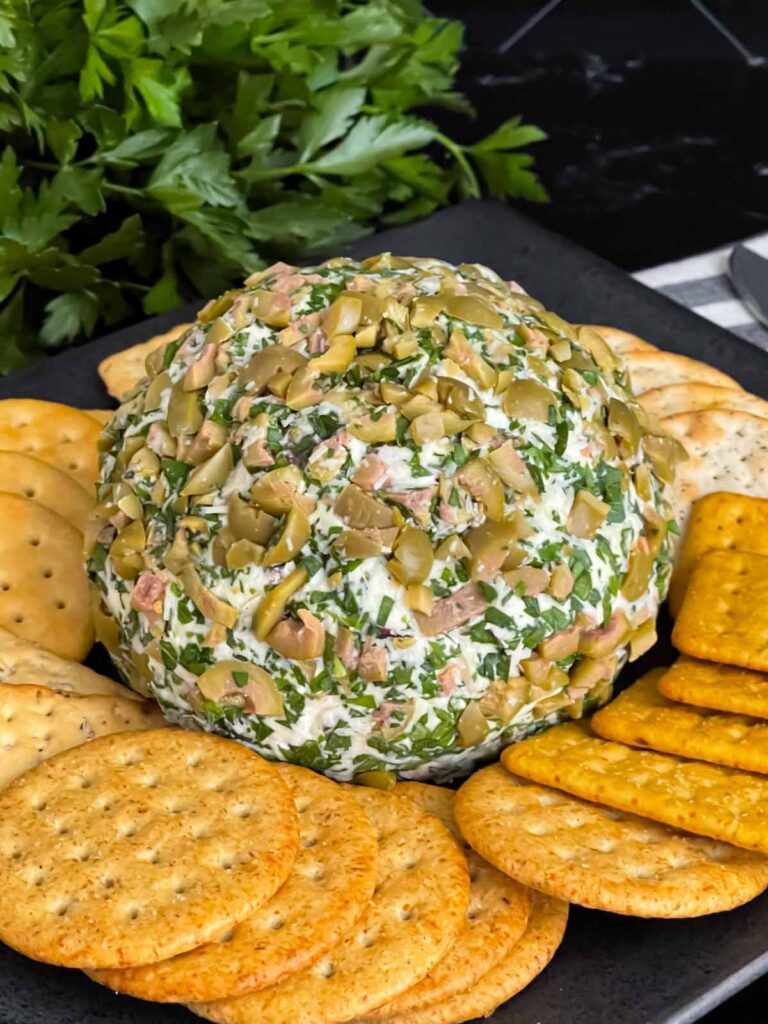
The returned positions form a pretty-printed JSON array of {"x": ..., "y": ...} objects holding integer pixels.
[
  {"x": 182, "y": 867},
  {"x": 659, "y": 807}
]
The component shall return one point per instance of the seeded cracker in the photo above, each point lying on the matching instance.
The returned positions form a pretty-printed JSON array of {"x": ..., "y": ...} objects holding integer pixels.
[
  {"x": 653, "y": 369},
  {"x": 414, "y": 917},
  {"x": 44, "y": 594},
  {"x": 138, "y": 846},
  {"x": 56, "y": 434},
  {"x": 526, "y": 959},
  {"x": 123, "y": 370},
  {"x": 643, "y": 717},
  {"x": 693, "y": 396},
  {"x": 719, "y": 521},
  {"x": 496, "y": 918},
  {"x": 602, "y": 858},
  {"x": 724, "y": 614},
  {"x": 327, "y": 890},
  {"x": 705, "y": 799},
  {"x": 712, "y": 685},
  {"x": 36, "y": 723}
]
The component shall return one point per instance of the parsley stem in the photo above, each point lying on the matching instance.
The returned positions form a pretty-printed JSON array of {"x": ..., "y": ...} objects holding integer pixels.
[{"x": 457, "y": 151}]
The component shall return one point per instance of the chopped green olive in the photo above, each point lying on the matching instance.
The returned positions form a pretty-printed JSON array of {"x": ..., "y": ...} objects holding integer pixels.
[
  {"x": 272, "y": 605},
  {"x": 623, "y": 423},
  {"x": 294, "y": 536},
  {"x": 185, "y": 414},
  {"x": 413, "y": 556},
  {"x": 249, "y": 523},
  {"x": 528, "y": 400},
  {"x": 472, "y": 726},
  {"x": 587, "y": 515},
  {"x": 210, "y": 475}
]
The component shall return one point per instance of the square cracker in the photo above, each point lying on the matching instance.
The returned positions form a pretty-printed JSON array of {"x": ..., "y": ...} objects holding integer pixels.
[
  {"x": 724, "y": 687},
  {"x": 644, "y": 717},
  {"x": 719, "y": 520},
  {"x": 705, "y": 799},
  {"x": 724, "y": 614}
]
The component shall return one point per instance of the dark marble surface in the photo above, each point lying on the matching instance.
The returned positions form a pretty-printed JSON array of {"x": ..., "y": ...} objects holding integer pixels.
[{"x": 658, "y": 126}]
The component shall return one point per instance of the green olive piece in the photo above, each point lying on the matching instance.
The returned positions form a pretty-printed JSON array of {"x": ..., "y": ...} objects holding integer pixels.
[
  {"x": 598, "y": 348},
  {"x": 511, "y": 468},
  {"x": 219, "y": 332},
  {"x": 144, "y": 464},
  {"x": 272, "y": 605},
  {"x": 484, "y": 485},
  {"x": 375, "y": 431},
  {"x": 232, "y": 678},
  {"x": 356, "y": 544},
  {"x": 361, "y": 511},
  {"x": 560, "y": 582},
  {"x": 643, "y": 485},
  {"x": 642, "y": 639},
  {"x": 622, "y": 422},
  {"x": 249, "y": 523},
  {"x": 489, "y": 545},
  {"x": 208, "y": 604},
  {"x": 664, "y": 454},
  {"x": 639, "y": 571},
  {"x": 581, "y": 361},
  {"x": 126, "y": 550},
  {"x": 557, "y": 324},
  {"x": 451, "y": 548},
  {"x": 177, "y": 555},
  {"x": 200, "y": 373},
  {"x": 266, "y": 363},
  {"x": 131, "y": 506},
  {"x": 427, "y": 428},
  {"x": 295, "y": 534},
  {"x": 412, "y": 556},
  {"x": 587, "y": 673},
  {"x": 425, "y": 308},
  {"x": 275, "y": 491},
  {"x": 210, "y": 475},
  {"x": 472, "y": 726},
  {"x": 561, "y": 644},
  {"x": 185, "y": 414},
  {"x": 528, "y": 400},
  {"x": 393, "y": 394},
  {"x": 378, "y": 778},
  {"x": 301, "y": 391},
  {"x": 343, "y": 315},
  {"x": 131, "y": 444},
  {"x": 602, "y": 641},
  {"x": 462, "y": 352},
  {"x": 337, "y": 358},
  {"x": 272, "y": 307},
  {"x": 243, "y": 553},
  {"x": 473, "y": 310},
  {"x": 217, "y": 307},
  {"x": 300, "y": 639},
  {"x": 587, "y": 515},
  {"x": 459, "y": 397},
  {"x": 154, "y": 392}
]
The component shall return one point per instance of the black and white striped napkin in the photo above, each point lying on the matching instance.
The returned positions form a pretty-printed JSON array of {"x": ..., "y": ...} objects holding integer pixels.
[{"x": 702, "y": 284}]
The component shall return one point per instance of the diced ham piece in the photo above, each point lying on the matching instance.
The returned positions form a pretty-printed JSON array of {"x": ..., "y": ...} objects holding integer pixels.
[
  {"x": 361, "y": 284},
  {"x": 383, "y": 712},
  {"x": 449, "y": 677},
  {"x": 345, "y": 648},
  {"x": 373, "y": 662},
  {"x": 148, "y": 593},
  {"x": 515, "y": 287},
  {"x": 416, "y": 501},
  {"x": 449, "y": 612},
  {"x": 371, "y": 474},
  {"x": 317, "y": 341},
  {"x": 301, "y": 329}
]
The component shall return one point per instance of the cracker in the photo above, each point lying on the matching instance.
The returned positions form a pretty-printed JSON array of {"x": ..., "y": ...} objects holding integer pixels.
[
  {"x": 719, "y": 520},
  {"x": 24, "y": 663},
  {"x": 605, "y": 859},
  {"x": 672, "y": 399},
  {"x": 644, "y": 717},
  {"x": 496, "y": 918},
  {"x": 526, "y": 960},
  {"x": 56, "y": 434},
  {"x": 123, "y": 370},
  {"x": 621, "y": 342},
  {"x": 44, "y": 593},
  {"x": 654, "y": 369},
  {"x": 724, "y": 614},
  {"x": 139, "y": 846},
  {"x": 102, "y": 416},
  {"x": 727, "y": 451},
  {"x": 705, "y": 799},
  {"x": 417, "y": 910},
  {"x": 44, "y": 483},
  {"x": 328, "y": 889},
  {"x": 710, "y": 685},
  {"x": 36, "y": 723}
]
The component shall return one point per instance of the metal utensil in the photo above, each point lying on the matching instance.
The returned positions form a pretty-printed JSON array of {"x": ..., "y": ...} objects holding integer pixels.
[{"x": 749, "y": 273}]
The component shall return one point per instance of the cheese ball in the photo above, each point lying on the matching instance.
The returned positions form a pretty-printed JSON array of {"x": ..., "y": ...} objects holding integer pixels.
[{"x": 380, "y": 518}]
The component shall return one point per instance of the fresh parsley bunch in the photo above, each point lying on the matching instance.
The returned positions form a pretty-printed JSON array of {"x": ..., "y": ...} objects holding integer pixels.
[{"x": 158, "y": 150}]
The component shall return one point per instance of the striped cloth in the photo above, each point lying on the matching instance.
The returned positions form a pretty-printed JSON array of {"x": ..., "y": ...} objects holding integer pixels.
[{"x": 702, "y": 284}]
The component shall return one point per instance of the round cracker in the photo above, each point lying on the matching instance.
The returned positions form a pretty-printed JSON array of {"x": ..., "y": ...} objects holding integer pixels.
[
  {"x": 328, "y": 889},
  {"x": 649, "y": 370},
  {"x": 37, "y": 723},
  {"x": 44, "y": 483},
  {"x": 619, "y": 341},
  {"x": 61, "y": 436},
  {"x": 727, "y": 451},
  {"x": 123, "y": 370},
  {"x": 24, "y": 663},
  {"x": 140, "y": 846},
  {"x": 525, "y": 961},
  {"x": 691, "y": 397},
  {"x": 44, "y": 593},
  {"x": 416, "y": 912},
  {"x": 102, "y": 416},
  {"x": 602, "y": 858},
  {"x": 496, "y": 918}
]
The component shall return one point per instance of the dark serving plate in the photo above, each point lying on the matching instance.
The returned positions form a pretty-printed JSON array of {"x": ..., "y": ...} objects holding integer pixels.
[{"x": 610, "y": 969}]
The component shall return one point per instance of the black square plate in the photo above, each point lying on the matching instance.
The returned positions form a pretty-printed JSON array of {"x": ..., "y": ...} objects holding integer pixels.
[{"x": 610, "y": 970}]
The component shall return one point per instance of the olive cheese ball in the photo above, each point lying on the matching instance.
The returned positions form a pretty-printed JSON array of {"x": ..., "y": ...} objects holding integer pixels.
[{"x": 380, "y": 517}]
